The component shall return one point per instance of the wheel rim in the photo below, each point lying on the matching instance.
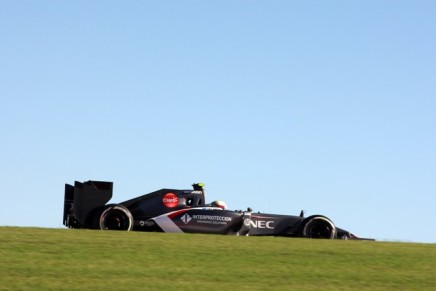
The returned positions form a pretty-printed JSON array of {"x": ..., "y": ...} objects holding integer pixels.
[
  {"x": 319, "y": 228},
  {"x": 115, "y": 219}
]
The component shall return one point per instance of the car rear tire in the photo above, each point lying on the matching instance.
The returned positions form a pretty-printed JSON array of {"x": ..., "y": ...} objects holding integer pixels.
[
  {"x": 319, "y": 227},
  {"x": 116, "y": 217}
]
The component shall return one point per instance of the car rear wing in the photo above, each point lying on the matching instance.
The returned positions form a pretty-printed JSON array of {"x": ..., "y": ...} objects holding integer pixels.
[{"x": 82, "y": 198}]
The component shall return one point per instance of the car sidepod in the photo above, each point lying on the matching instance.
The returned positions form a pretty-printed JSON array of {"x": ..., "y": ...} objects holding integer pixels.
[
  {"x": 200, "y": 220},
  {"x": 217, "y": 221}
]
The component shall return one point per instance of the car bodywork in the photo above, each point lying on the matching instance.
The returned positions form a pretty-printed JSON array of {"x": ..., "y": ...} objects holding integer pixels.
[{"x": 183, "y": 211}]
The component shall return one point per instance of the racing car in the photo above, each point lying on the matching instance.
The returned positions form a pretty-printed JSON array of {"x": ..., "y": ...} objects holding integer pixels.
[{"x": 184, "y": 211}]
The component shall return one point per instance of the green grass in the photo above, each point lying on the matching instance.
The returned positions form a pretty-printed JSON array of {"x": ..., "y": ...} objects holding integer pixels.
[{"x": 63, "y": 259}]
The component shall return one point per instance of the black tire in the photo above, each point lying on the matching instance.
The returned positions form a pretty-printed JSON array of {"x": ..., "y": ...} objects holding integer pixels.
[
  {"x": 116, "y": 217},
  {"x": 319, "y": 227}
]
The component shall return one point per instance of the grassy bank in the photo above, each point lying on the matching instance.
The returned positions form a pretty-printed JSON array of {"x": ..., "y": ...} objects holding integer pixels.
[{"x": 36, "y": 258}]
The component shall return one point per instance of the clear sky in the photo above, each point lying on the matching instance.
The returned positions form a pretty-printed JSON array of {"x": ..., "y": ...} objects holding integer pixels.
[{"x": 326, "y": 106}]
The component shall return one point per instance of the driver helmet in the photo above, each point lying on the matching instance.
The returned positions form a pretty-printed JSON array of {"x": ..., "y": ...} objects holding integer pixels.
[{"x": 220, "y": 204}]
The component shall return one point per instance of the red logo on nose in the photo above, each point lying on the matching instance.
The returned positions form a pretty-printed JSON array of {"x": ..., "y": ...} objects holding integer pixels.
[{"x": 170, "y": 200}]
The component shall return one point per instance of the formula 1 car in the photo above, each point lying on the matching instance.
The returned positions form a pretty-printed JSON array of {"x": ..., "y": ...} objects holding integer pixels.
[{"x": 183, "y": 211}]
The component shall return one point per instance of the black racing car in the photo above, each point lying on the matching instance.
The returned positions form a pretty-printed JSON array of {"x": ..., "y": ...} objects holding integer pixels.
[{"x": 183, "y": 211}]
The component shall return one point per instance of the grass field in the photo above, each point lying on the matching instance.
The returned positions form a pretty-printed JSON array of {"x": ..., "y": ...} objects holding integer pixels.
[{"x": 56, "y": 259}]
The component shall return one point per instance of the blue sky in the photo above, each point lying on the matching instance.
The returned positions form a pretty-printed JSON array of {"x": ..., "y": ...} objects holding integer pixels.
[{"x": 326, "y": 106}]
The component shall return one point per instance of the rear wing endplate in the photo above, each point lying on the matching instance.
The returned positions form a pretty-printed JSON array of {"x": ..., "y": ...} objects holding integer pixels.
[{"x": 82, "y": 198}]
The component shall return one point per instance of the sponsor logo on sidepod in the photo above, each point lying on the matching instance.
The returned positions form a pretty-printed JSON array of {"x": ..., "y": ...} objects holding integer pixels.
[
  {"x": 170, "y": 200},
  {"x": 259, "y": 223},
  {"x": 186, "y": 218}
]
